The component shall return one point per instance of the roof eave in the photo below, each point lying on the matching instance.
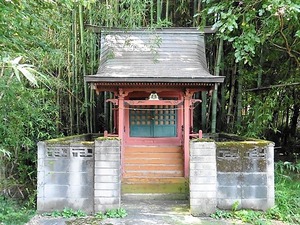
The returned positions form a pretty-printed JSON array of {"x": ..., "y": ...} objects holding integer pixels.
[{"x": 206, "y": 79}]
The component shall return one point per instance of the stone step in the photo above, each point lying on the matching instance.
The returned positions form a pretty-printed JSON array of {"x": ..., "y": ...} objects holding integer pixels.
[{"x": 154, "y": 196}]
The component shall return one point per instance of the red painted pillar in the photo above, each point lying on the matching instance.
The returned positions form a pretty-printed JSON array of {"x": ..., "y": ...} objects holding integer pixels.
[
  {"x": 121, "y": 123},
  {"x": 186, "y": 131}
]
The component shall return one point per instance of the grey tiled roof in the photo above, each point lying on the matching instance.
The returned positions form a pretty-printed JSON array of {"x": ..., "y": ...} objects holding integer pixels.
[{"x": 168, "y": 55}]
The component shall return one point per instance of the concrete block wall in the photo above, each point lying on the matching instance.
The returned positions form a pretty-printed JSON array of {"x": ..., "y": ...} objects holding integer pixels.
[
  {"x": 107, "y": 176},
  {"x": 222, "y": 173},
  {"x": 203, "y": 178},
  {"x": 65, "y": 177},
  {"x": 245, "y": 175}
]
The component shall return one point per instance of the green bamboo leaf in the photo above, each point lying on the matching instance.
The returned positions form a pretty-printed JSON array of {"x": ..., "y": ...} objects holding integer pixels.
[
  {"x": 41, "y": 77},
  {"x": 29, "y": 76},
  {"x": 16, "y": 60},
  {"x": 16, "y": 72}
]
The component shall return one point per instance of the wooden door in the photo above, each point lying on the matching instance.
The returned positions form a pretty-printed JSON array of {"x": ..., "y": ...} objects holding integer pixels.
[{"x": 153, "y": 121}]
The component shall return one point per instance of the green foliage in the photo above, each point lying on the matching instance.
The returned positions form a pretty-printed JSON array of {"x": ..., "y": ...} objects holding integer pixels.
[
  {"x": 67, "y": 213},
  {"x": 287, "y": 192},
  {"x": 221, "y": 214},
  {"x": 13, "y": 212},
  {"x": 248, "y": 24},
  {"x": 235, "y": 206},
  {"x": 28, "y": 115},
  {"x": 112, "y": 213}
]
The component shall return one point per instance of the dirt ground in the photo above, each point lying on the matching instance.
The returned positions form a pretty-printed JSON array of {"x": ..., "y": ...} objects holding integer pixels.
[{"x": 144, "y": 212}]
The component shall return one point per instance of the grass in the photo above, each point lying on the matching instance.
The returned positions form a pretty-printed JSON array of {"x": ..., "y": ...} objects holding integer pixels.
[
  {"x": 13, "y": 212},
  {"x": 287, "y": 200},
  {"x": 287, "y": 191}
]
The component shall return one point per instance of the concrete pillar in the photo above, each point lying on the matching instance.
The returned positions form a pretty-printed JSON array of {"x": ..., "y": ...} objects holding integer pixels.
[
  {"x": 203, "y": 178},
  {"x": 107, "y": 180},
  {"x": 41, "y": 176},
  {"x": 270, "y": 176}
]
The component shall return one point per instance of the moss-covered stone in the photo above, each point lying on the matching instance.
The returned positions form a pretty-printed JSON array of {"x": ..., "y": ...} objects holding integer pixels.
[
  {"x": 243, "y": 144},
  {"x": 203, "y": 140},
  {"x": 242, "y": 156},
  {"x": 84, "y": 139},
  {"x": 107, "y": 138}
]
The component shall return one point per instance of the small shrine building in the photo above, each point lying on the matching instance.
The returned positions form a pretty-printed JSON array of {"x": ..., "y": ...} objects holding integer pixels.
[{"x": 153, "y": 75}]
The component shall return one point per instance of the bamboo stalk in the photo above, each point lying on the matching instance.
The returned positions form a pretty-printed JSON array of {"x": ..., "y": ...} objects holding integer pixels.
[
  {"x": 75, "y": 60},
  {"x": 158, "y": 11},
  {"x": 203, "y": 110},
  {"x": 116, "y": 12},
  {"x": 195, "y": 7},
  {"x": 239, "y": 98},
  {"x": 58, "y": 102},
  {"x": 70, "y": 86},
  {"x": 151, "y": 13},
  {"x": 110, "y": 122},
  {"x": 92, "y": 54},
  {"x": 86, "y": 100},
  {"x": 230, "y": 104},
  {"x": 199, "y": 10},
  {"x": 2, "y": 71},
  {"x": 106, "y": 22},
  {"x": 131, "y": 14},
  {"x": 215, "y": 93},
  {"x": 261, "y": 62},
  {"x": 167, "y": 10}
]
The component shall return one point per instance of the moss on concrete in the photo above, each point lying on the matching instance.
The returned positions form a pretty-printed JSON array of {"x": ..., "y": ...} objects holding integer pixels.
[
  {"x": 84, "y": 139},
  {"x": 241, "y": 163},
  {"x": 161, "y": 188},
  {"x": 203, "y": 140},
  {"x": 243, "y": 144},
  {"x": 107, "y": 138}
]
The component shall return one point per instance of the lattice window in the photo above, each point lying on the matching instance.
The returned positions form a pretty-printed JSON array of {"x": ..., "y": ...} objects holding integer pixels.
[
  {"x": 153, "y": 121},
  {"x": 256, "y": 153},
  {"x": 82, "y": 152},
  {"x": 59, "y": 152},
  {"x": 228, "y": 153},
  {"x": 140, "y": 115},
  {"x": 165, "y": 115}
]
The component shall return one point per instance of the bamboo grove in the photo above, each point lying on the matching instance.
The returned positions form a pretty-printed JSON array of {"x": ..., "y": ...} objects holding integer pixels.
[{"x": 48, "y": 46}]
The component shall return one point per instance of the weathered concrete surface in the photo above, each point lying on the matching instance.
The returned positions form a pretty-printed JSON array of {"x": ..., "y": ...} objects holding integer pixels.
[
  {"x": 245, "y": 174},
  {"x": 144, "y": 212},
  {"x": 203, "y": 178},
  {"x": 65, "y": 176},
  {"x": 107, "y": 175}
]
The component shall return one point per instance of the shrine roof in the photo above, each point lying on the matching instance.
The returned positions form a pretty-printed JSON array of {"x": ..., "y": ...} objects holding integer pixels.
[{"x": 164, "y": 55}]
